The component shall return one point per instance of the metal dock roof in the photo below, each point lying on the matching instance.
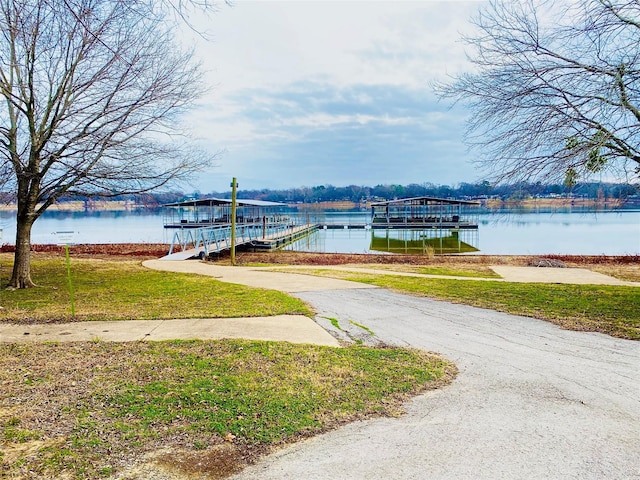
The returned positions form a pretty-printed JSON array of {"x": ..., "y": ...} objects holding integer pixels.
[
  {"x": 212, "y": 202},
  {"x": 423, "y": 201}
]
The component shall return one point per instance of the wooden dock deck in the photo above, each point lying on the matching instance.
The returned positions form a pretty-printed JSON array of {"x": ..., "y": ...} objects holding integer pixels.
[{"x": 279, "y": 239}]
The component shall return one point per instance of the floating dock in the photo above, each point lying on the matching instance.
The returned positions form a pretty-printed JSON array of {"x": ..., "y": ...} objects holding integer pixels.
[
  {"x": 202, "y": 227},
  {"x": 399, "y": 225},
  {"x": 285, "y": 237}
]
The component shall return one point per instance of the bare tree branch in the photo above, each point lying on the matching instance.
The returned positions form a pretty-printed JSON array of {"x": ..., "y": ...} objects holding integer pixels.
[
  {"x": 555, "y": 90},
  {"x": 93, "y": 91}
]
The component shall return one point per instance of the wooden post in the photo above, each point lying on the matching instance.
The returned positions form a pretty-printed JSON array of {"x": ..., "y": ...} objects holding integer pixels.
[{"x": 234, "y": 186}]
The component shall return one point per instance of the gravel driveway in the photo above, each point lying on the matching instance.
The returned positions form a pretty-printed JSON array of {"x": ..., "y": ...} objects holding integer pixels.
[{"x": 531, "y": 401}]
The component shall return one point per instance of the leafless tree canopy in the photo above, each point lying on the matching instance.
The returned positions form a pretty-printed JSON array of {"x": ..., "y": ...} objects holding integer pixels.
[
  {"x": 91, "y": 92},
  {"x": 555, "y": 90}
]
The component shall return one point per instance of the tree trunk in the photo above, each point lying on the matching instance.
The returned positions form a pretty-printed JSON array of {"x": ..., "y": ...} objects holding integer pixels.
[{"x": 21, "y": 276}]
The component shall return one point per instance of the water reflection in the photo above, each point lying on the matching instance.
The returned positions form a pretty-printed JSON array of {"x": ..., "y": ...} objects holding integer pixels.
[
  {"x": 349, "y": 240},
  {"x": 410, "y": 241},
  {"x": 423, "y": 242}
]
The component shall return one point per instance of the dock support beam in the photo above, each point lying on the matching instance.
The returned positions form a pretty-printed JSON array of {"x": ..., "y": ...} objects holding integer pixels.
[{"x": 234, "y": 186}]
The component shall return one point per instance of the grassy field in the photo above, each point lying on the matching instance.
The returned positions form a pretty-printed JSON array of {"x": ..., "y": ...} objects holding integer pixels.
[
  {"x": 89, "y": 410},
  {"x": 124, "y": 289},
  {"x": 197, "y": 409},
  {"x": 206, "y": 409}
]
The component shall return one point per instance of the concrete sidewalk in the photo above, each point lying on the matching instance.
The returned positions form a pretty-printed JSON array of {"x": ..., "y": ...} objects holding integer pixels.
[
  {"x": 578, "y": 276},
  {"x": 292, "y": 328},
  {"x": 261, "y": 277},
  {"x": 289, "y": 328},
  {"x": 292, "y": 279}
]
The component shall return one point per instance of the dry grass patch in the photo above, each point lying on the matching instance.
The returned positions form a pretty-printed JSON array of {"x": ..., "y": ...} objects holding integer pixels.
[
  {"x": 454, "y": 269},
  {"x": 624, "y": 263},
  {"x": 281, "y": 257},
  {"x": 628, "y": 273}
]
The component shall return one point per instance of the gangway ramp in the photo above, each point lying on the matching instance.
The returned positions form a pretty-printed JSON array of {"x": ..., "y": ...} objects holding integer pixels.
[
  {"x": 200, "y": 242},
  {"x": 186, "y": 255}
]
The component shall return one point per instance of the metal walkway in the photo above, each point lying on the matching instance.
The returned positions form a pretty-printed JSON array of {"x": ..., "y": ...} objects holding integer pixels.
[{"x": 200, "y": 242}]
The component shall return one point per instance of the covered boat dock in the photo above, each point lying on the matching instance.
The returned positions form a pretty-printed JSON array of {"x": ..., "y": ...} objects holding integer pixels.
[
  {"x": 204, "y": 226},
  {"x": 211, "y": 211},
  {"x": 425, "y": 212}
]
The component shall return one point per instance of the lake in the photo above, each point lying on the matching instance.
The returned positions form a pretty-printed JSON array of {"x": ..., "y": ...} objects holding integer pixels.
[{"x": 608, "y": 232}]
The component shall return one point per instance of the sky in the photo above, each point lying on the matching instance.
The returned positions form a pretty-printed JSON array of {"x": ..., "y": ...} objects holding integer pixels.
[{"x": 305, "y": 93}]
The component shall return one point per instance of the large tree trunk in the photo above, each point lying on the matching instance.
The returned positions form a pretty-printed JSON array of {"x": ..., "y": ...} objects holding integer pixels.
[
  {"x": 87, "y": 90},
  {"x": 21, "y": 276}
]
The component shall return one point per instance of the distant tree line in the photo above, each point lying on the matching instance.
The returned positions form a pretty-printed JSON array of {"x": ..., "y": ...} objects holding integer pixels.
[
  {"x": 355, "y": 193},
  {"x": 358, "y": 193}
]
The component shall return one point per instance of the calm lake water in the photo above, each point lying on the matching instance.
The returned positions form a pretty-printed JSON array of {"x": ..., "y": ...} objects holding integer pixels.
[{"x": 611, "y": 232}]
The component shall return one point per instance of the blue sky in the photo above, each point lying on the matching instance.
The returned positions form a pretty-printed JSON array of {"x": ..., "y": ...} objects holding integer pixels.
[{"x": 309, "y": 93}]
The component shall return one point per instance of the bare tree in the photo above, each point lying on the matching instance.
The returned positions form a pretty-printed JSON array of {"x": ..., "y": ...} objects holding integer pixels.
[
  {"x": 555, "y": 89},
  {"x": 92, "y": 90}
]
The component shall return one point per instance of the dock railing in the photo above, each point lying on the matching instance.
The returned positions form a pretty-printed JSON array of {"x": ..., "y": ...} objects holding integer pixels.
[
  {"x": 334, "y": 219},
  {"x": 218, "y": 238}
]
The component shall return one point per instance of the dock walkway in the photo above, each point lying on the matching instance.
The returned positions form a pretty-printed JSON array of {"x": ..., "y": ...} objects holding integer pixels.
[{"x": 200, "y": 242}]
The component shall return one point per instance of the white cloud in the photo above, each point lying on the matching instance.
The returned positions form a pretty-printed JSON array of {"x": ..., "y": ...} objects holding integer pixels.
[
  {"x": 269, "y": 43},
  {"x": 324, "y": 120},
  {"x": 284, "y": 71}
]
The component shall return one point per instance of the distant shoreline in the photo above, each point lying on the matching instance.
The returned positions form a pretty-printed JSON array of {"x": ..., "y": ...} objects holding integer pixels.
[
  {"x": 491, "y": 203},
  {"x": 342, "y": 205},
  {"x": 554, "y": 202},
  {"x": 92, "y": 205}
]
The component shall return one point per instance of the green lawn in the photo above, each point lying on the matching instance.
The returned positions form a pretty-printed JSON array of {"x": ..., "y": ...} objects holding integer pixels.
[
  {"x": 76, "y": 410},
  {"x": 124, "y": 290}
]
